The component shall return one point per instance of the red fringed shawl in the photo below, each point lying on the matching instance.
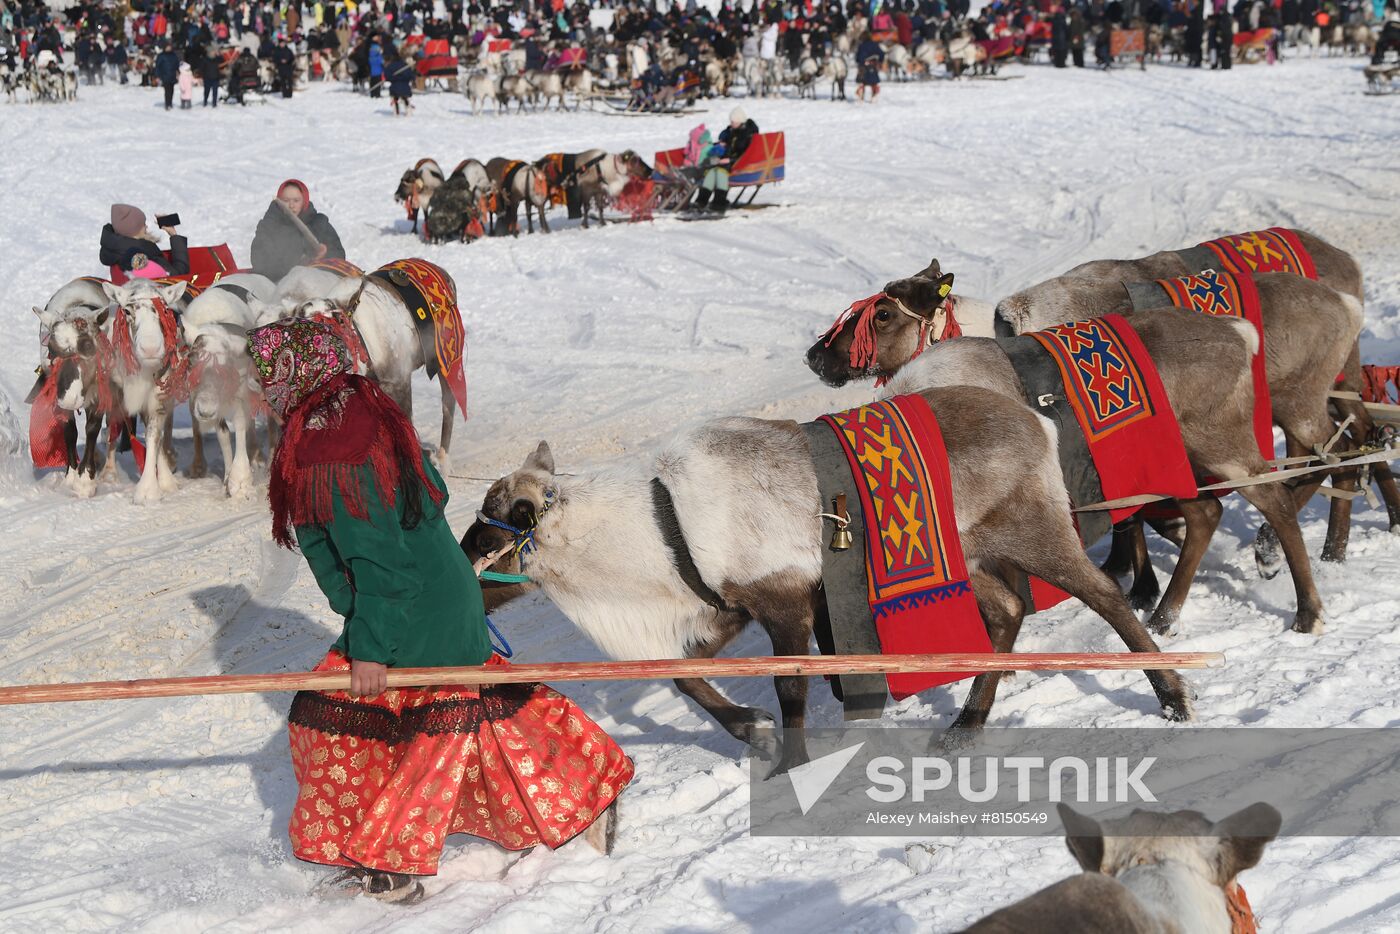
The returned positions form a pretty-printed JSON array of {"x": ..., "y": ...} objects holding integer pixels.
[{"x": 347, "y": 423}]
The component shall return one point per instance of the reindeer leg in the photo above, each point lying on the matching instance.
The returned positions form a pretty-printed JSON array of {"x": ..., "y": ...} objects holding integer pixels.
[
  {"x": 1277, "y": 508},
  {"x": 749, "y": 725},
  {"x": 1202, "y": 517},
  {"x": 1145, "y": 590},
  {"x": 1003, "y": 612},
  {"x": 198, "y": 468},
  {"x": 85, "y": 483},
  {"x": 544, "y": 222},
  {"x": 442, "y": 459},
  {"x": 790, "y": 629},
  {"x": 238, "y": 476},
  {"x": 221, "y": 434},
  {"x": 1061, "y": 561},
  {"x": 1120, "y": 553},
  {"x": 165, "y": 451},
  {"x": 70, "y": 449},
  {"x": 148, "y": 488}
]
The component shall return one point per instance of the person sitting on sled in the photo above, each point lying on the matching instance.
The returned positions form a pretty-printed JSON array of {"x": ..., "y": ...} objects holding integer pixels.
[
  {"x": 734, "y": 141},
  {"x": 384, "y": 775}
]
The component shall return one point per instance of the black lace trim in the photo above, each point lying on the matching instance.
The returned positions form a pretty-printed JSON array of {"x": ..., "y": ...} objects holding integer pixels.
[{"x": 316, "y": 711}]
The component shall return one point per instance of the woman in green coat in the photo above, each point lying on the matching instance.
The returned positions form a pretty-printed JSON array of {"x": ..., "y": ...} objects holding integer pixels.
[{"x": 384, "y": 776}]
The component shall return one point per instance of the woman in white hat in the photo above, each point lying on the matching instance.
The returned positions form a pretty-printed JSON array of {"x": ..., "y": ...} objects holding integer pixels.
[{"x": 733, "y": 141}]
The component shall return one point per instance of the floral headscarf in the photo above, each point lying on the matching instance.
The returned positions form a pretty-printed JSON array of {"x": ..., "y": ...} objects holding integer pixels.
[
  {"x": 335, "y": 424},
  {"x": 294, "y": 359}
]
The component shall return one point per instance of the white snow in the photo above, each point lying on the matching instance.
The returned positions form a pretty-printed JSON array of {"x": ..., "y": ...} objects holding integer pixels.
[{"x": 170, "y": 815}]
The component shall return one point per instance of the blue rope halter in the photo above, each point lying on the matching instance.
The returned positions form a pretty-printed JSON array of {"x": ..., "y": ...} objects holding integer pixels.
[{"x": 524, "y": 538}]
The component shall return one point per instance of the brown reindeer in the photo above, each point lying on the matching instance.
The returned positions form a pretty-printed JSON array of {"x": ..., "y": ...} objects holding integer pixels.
[
  {"x": 1335, "y": 268},
  {"x": 1204, "y": 366},
  {"x": 744, "y": 510},
  {"x": 1309, "y": 331},
  {"x": 518, "y": 183}
]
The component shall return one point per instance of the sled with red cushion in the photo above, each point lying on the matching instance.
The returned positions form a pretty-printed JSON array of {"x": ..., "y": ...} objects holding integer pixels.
[
  {"x": 763, "y": 163},
  {"x": 208, "y": 264},
  {"x": 438, "y": 60}
]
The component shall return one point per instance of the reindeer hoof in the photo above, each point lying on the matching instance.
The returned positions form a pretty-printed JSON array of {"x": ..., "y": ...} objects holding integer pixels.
[
  {"x": 760, "y": 732},
  {"x": 959, "y": 735},
  {"x": 84, "y": 485},
  {"x": 442, "y": 460},
  {"x": 1181, "y": 710},
  {"x": 1310, "y": 624},
  {"x": 1267, "y": 556},
  {"x": 146, "y": 495},
  {"x": 1162, "y": 624}
]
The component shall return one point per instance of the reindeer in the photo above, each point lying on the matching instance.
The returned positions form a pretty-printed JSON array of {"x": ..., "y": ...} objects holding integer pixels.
[
  {"x": 72, "y": 351},
  {"x": 1309, "y": 329},
  {"x": 835, "y": 70},
  {"x": 579, "y": 82},
  {"x": 221, "y": 382},
  {"x": 515, "y": 88},
  {"x": 744, "y": 498},
  {"x": 1146, "y": 873},
  {"x": 482, "y": 87},
  {"x": 1204, "y": 364},
  {"x": 807, "y": 72},
  {"x": 386, "y": 329},
  {"x": 547, "y": 86},
  {"x": 605, "y": 177},
  {"x": 518, "y": 183},
  {"x": 416, "y": 187},
  {"x": 147, "y": 369},
  {"x": 1335, "y": 268}
]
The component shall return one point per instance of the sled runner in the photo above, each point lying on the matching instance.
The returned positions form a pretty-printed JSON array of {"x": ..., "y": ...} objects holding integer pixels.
[{"x": 208, "y": 264}]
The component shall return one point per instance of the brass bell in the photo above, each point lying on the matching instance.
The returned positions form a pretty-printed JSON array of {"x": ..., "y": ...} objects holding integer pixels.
[{"x": 841, "y": 539}]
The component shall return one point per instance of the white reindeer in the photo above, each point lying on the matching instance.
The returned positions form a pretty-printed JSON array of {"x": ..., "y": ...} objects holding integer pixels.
[
  {"x": 216, "y": 328},
  {"x": 481, "y": 87},
  {"x": 145, "y": 323},
  {"x": 386, "y": 328},
  {"x": 548, "y": 86},
  {"x": 1149, "y": 873}
]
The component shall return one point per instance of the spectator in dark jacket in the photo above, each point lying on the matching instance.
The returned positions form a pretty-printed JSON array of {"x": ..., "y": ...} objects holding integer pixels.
[
  {"x": 279, "y": 244},
  {"x": 243, "y": 76},
  {"x": 209, "y": 74},
  {"x": 285, "y": 62},
  {"x": 868, "y": 58},
  {"x": 127, "y": 235},
  {"x": 400, "y": 74},
  {"x": 734, "y": 141},
  {"x": 167, "y": 69}
]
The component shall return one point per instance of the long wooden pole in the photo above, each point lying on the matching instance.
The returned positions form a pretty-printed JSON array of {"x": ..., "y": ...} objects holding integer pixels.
[{"x": 811, "y": 665}]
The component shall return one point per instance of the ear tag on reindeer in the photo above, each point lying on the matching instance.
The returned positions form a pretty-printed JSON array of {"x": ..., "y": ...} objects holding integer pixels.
[{"x": 944, "y": 289}]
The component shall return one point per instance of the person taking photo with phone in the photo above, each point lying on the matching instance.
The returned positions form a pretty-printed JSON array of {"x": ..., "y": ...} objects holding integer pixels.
[{"x": 126, "y": 236}]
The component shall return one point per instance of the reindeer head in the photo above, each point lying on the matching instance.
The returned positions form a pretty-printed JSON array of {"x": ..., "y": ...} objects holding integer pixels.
[
  {"x": 407, "y": 183},
  {"x": 517, "y": 500},
  {"x": 220, "y": 370},
  {"x": 1215, "y": 852},
  {"x": 72, "y": 351},
  {"x": 140, "y": 303},
  {"x": 876, "y": 337},
  {"x": 635, "y": 165}
]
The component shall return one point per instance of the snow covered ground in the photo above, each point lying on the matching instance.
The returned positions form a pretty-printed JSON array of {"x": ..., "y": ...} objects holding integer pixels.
[{"x": 170, "y": 815}]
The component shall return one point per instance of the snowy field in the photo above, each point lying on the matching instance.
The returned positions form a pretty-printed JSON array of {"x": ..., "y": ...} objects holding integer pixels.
[{"x": 171, "y": 815}]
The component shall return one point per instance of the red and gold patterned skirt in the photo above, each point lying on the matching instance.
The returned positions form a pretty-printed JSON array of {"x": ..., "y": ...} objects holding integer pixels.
[{"x": 383, "y": 781}]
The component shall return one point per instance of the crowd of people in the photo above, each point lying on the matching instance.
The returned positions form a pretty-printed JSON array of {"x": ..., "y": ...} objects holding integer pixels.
[{"x": 252, "y": 45}]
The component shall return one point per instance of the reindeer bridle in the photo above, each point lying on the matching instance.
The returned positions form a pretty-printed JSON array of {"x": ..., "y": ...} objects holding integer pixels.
[{"x": 864, "y": 351}]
